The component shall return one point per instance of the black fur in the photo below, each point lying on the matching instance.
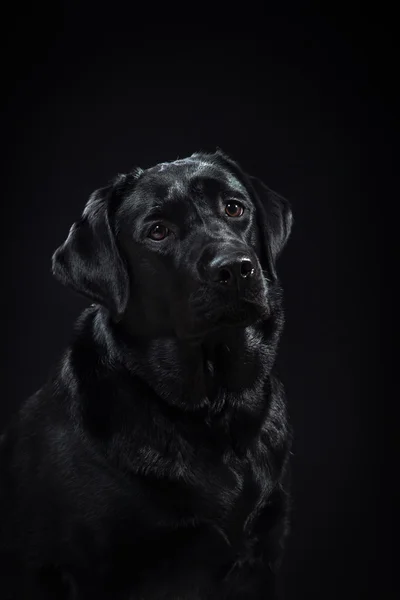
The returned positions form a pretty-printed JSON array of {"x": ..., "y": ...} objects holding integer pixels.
[{"x": 153, "y": 462}]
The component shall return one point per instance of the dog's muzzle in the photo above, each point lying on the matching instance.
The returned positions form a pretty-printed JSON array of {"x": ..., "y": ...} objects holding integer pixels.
[
  {"x": 231, "y": 271},
  {"x": 228, "y": 268}
]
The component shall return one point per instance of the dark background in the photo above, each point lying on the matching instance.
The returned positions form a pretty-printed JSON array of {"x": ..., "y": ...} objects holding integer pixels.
[{"x": 307, "y": 104}]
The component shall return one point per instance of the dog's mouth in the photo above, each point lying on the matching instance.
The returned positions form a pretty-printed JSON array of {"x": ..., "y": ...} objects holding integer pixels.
[
  {"x": 232, "y": 315},
  {"x": 245, "y": 314},
  {"x": 235, "y": 316}
]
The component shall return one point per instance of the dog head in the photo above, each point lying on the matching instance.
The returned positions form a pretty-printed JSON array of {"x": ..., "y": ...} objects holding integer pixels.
[{"x": 182, "y": 248}]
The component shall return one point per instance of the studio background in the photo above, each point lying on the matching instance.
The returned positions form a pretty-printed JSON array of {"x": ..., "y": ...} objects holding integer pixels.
[{"x": 306, "y": 105}]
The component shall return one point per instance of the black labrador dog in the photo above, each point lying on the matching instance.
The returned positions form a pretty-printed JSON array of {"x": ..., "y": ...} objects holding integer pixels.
[{"x": 153, "y": 462}]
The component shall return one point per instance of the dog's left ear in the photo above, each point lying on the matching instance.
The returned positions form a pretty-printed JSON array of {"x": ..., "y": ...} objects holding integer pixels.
[
  {"x": 275, "y": 220},
  {"x": 274, "y": 213},
  {"x": 89, "y": 261}
]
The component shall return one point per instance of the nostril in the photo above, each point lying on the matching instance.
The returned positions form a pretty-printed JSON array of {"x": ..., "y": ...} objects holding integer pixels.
[
  {"x": 225, "y": 276},
  {"x": 246, "y": 268}
]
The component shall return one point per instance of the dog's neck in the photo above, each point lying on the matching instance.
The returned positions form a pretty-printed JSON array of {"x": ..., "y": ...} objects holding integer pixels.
[{"x": 231, "y": 365}]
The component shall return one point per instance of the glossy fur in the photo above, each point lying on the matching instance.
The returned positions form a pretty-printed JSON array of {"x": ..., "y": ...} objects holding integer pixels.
[{"x": 153, "y": 462}]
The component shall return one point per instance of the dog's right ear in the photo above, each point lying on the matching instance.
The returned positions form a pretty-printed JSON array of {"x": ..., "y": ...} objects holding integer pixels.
[{"x": 89, "y": 261}]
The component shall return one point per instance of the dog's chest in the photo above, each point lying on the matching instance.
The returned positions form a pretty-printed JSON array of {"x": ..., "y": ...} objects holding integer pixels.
[
  {"x": 238, "y": 488},
  {"x": 223, "y": 490}
]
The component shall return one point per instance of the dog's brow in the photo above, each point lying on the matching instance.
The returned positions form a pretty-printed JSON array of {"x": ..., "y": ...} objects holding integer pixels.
[
  {"x": 211, "y": 186},
  {"x": 233, "y": 183},
  {"x": 169, "y": 209},
  {"x": 177, "y": 187}
]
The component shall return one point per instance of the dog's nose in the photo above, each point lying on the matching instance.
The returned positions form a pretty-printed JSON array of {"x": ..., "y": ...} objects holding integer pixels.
[{"x": 228, "y": 271}]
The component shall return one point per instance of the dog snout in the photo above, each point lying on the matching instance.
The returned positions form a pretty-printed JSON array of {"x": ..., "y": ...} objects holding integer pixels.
[{"x": 230, "y": 271}]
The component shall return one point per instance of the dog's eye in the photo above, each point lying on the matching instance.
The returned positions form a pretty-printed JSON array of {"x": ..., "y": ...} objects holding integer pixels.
[
  {"x": 234, "y": 209},
  {"x": 158, "y": 232}
]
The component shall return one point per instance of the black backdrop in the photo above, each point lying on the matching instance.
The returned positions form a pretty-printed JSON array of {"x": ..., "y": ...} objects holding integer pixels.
[{"x": 304, "y": 103}]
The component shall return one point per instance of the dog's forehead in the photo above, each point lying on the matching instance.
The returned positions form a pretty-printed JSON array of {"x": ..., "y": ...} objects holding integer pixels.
[
  {"x": 189, "y": 162},
  {"x": 173, "y": 179}
]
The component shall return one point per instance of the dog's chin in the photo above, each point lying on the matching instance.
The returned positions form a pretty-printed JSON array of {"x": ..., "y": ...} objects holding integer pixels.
[{"x": 240, "y": 319}]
